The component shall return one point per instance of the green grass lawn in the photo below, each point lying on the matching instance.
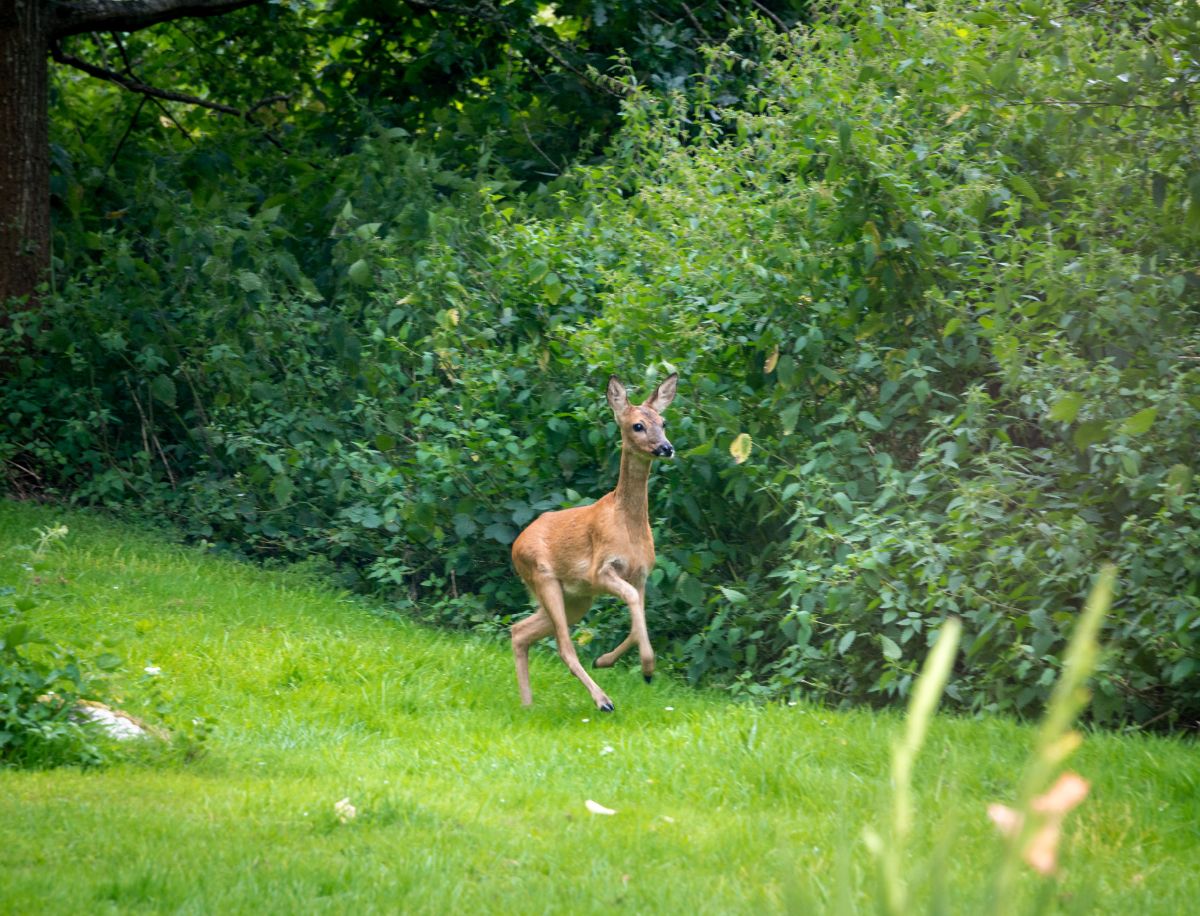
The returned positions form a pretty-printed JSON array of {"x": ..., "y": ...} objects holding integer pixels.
[{"x": 466, "y": 802}]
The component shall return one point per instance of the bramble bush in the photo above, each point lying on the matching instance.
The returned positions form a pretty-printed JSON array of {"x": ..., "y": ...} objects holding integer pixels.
[{"x": 936, "y": 266}]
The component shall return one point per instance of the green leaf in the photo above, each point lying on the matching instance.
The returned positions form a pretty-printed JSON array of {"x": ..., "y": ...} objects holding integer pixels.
[
  {"x": 844, "y": 503},
  {"x": 1139, "y": 422},
  {"x": 733, "y": 596},
  {"x": 1003, "y": 75},
  {"x": 17, "y": 635},
  {"x": 890, "y": 649},
  {"x": 1066, "y": 408},
  {"x": 360, "y": 272},
  {"x": 1025, "y": 189},
  {"x": 1182, "y": 669},
  {"x": 827, "y": 373},
  {"x": 500, "y": 532},
  {"x": 282, "y": 489},
  {"x": 249, "y": 281},
  {"x": 163, "y": 390},
  {"x": 869, "y": 420},
  {"x": 1179, "y": 478},
  {"x": 845, "y": 642},
  {"x": 1089, "y": 433},
  {"x": 786, "y": 370},
  {"x": 788, "y": 418},
  {"x": 107, "y": 661}
]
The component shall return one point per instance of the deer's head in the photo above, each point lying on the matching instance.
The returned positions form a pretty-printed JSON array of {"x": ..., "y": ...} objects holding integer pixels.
[{"x": 642, "y": 424}]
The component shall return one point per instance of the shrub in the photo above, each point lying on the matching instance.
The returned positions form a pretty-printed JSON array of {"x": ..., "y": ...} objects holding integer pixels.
[{"x": 935, "y": 266}]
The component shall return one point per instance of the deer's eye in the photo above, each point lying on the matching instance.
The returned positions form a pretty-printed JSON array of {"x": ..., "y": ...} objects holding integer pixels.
[{"x": 638, "y": 428}]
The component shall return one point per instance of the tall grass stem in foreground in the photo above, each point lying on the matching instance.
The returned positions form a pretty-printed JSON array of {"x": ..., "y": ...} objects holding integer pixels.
[
  {"x": 924, "y": 700},
  {"x": 1056, "y": 740}
]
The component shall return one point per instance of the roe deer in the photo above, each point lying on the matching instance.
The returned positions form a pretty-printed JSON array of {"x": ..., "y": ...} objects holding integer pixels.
[{"x": 569, "y": 557}]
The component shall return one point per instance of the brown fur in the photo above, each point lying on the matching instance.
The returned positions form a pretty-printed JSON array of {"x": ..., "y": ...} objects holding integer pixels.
[{"x": 569, "y": 557}]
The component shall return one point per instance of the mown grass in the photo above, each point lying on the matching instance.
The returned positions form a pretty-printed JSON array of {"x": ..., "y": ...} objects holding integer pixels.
[{"x": 467, "y": 802}]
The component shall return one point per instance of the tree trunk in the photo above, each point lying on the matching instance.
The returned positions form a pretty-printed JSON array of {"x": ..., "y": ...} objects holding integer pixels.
[{"x": 24, "y": 147}]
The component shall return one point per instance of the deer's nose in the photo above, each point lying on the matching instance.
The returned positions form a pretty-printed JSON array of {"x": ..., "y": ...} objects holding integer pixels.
[{"x": 666, "y": 450}]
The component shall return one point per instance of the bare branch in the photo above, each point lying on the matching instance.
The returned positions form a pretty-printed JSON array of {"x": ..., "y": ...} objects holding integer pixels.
[
  {"x": 696, "y": 23},
  {"x": 552, "y": 48},
  {"x": 72, "y": 17},
  {"x": 135, "y": 86},
  {"x": 264, "y": 102},
  {"x": 775, "y": 19}
]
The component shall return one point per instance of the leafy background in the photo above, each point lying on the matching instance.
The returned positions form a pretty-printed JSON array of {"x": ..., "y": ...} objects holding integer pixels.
[{"x": 935, "y": 268}]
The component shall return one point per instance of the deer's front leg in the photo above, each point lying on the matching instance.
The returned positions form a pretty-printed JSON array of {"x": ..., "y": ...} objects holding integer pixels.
[
  {"x": 550, "y": 596},
  {"x": 635, "y": 597}
]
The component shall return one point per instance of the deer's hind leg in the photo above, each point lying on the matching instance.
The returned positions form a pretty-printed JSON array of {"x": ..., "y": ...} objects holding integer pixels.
[
  {"x": 525, "y": 633},
  {"x": 540, "y": 625}
]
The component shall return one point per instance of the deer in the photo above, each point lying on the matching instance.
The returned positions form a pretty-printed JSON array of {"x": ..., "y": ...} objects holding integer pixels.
[{"x": 567, "y": 558}]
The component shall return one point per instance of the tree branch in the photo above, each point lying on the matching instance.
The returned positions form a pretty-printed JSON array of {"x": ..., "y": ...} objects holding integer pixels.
[
  {"x": 145, "y": 98},
  {"x": 72, "y": 17},
  {"x": 134, "y": 85},
  {"x": 488, "y": 11},
  {"x": 775, "y": 19}
]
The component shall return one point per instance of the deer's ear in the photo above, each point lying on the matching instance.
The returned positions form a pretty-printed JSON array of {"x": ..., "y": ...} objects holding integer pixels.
[
  {"x": 664, "y": 394},
  {"x": 618, "y": 400}
]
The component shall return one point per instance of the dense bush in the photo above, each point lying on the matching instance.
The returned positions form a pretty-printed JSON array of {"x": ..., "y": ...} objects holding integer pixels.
[{"x": 937, "y": 266}]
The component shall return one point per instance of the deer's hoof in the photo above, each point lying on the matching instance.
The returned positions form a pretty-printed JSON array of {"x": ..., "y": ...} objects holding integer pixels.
[
  {"x": 606, "y": 706},
  {"x": 648, "y": 678}
]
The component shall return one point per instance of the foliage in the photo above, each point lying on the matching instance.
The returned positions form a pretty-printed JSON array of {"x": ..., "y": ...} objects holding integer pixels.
[
  {"x": 523, "y": 84},
  {"x": 928, "y": 276},
  {"x": 41, "y": 681}
]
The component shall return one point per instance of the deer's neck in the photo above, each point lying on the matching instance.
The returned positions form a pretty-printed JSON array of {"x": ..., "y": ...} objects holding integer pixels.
[{"x": 632, "y": 489}]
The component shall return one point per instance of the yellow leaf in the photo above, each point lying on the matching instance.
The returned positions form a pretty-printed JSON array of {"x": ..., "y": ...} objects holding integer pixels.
[
  {"x": 740, "y": 447},
  {"x": 958, "y": 114},
  {"x": 772, "y": 359}
]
